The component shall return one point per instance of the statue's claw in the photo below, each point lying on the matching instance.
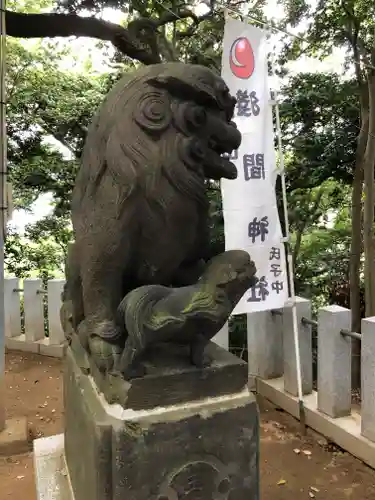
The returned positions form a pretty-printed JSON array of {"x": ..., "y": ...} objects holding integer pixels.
[{"x": 105, "y": 354}]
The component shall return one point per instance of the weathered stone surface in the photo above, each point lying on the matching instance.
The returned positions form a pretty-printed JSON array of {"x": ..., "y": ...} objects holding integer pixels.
[
  {"x": 88, "y": 437},
  {"x": 334, "y": 361},
  {"x": 140, "y": 270},
  {"x": 368, "y": 378},
  {"x": 188, "y": 315},
  {"x": 51, "y": 477},
  {"x": 171, "y": 378},
  {"x": 207, "y": 448}
]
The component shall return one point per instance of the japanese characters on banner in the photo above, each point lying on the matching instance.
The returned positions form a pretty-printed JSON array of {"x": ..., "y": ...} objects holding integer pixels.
[{"x": 251, "y": 219}]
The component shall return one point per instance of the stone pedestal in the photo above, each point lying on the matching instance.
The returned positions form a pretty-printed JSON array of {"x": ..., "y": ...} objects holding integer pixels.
[{"x": 194, "y": 437}]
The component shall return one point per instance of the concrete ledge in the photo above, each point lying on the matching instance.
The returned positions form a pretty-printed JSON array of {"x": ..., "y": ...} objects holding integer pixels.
[
  {"x": 344, "y": 431},
  {"x": 51, "y": 474},
  {"x": 14, "y": 439},
  {"x": 53, "y": 350},
  {"x": 21, "y": 344},
  {"x": 42, "y": 347}
]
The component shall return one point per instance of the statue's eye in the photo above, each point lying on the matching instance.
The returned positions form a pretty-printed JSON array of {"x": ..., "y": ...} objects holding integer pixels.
[
  {"x": 196, "y": 116},
  {"x": 223, "y": 98}
]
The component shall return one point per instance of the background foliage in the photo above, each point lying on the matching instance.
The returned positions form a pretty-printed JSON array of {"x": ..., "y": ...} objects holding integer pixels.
[{"x": 53, "y": 92}]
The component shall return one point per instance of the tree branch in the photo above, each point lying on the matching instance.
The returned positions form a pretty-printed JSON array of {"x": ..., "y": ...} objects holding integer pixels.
[
  {"x": 139, "y": 40},
  {"x": 53, "y": 25},
  {"x": 145, "y": 30},
  {"x": 166, "y": 48},
  {"x": 301, "y": 227},
  {"x": 373, "y": 53},
  {"x": 190, "y": 31},
  {"x": 16, "y": 78},
  {"x": 169, "y": 16},
  {"x": 59, "y": 137},
  {"x": 352, "y": 34}
]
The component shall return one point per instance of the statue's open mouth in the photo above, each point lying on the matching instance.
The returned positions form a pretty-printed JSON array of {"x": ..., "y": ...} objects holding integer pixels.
[{"x": 217, "y": 163}]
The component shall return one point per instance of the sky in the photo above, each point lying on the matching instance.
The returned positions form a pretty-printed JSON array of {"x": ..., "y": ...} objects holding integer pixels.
[{"x": 83, "y": 48}]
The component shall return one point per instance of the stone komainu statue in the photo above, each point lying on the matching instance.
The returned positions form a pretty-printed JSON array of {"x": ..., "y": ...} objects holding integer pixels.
[{"x": 140, "y": 215}]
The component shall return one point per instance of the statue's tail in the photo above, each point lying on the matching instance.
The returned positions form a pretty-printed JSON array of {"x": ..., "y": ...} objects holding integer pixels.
[{"x": 136, "y": 309}]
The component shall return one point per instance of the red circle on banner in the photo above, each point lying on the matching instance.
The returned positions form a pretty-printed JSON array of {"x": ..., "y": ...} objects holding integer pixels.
[{"x": 241, "y": 58}]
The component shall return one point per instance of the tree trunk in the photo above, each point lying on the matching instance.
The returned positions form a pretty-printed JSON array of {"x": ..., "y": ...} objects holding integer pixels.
[
  {"x": 301, "y": 227},
  {"x": 357, "y": 215},
  {"x": 356, "y": 249},
  {"x": 356, "y": 233},
  {"x": 368, "y": 224},
  {"x": 52, "y": 25}
]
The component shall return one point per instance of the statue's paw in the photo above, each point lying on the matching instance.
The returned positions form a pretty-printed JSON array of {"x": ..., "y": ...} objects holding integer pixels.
[
  {"x": 104, "y": 329},
  {"x": 108, "y": 330},
  {"x": 205, "y": 361},
  {"x": 104, "y": 353},
  {"x": 200, "y": 359}
]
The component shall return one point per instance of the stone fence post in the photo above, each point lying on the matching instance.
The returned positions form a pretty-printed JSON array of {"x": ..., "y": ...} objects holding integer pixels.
[
  {"x": 55, "y": 331},
  {"x": 34, "y": 309},
  {"x": 303, "y": 307},
  {"x": 368, "y": 378},
  {"x": 265, "y": 345},
  {"x": 334, "y": 362},
  {"x": 12, "y": 307}
]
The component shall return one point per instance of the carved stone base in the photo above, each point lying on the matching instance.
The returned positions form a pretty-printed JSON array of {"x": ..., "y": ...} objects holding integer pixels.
[{"x": 203, "y": 449}]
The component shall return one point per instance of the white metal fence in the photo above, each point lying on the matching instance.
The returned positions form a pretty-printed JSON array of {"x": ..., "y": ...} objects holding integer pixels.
[{"x": 32, "y": 316}]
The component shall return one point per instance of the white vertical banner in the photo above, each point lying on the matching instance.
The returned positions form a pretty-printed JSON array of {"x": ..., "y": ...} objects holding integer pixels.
[{"x": 251, "y": 219}]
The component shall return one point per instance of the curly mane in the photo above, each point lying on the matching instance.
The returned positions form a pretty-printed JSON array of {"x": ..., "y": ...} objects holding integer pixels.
[{"x": 133, "y": 136}]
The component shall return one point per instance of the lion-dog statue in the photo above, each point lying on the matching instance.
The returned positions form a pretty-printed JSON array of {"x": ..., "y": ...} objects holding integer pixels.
[{"x": 140, "y": 219}]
